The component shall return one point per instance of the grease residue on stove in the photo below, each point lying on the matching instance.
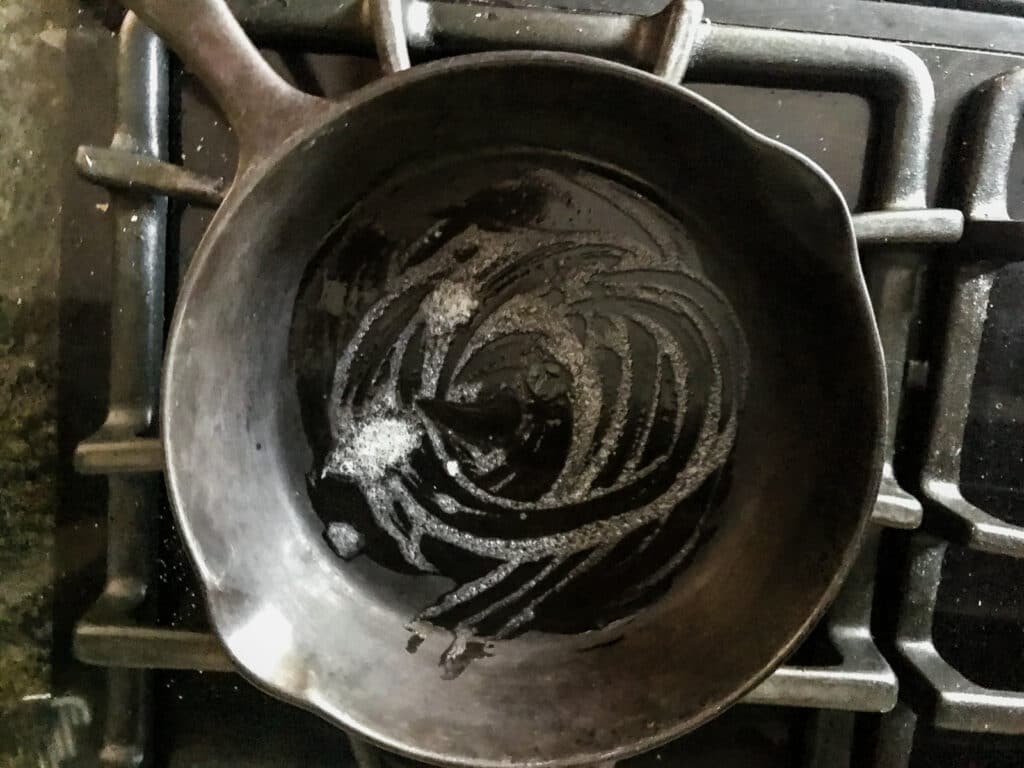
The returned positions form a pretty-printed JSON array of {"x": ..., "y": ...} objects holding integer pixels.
[{"x": 515, "y": 374}]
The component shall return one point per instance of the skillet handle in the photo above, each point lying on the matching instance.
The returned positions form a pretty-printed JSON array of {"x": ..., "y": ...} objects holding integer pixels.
[{"x": 263, "y": 109}]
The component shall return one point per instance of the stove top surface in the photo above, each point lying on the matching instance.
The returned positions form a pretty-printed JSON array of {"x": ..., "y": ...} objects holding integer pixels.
[{"x": 208, "y": 717}]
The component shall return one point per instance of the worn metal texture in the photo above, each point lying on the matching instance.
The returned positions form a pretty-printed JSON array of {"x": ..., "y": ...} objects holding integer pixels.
[
  {"x": 924, "y": 227},
  {"x": 950, "y": 512},
  {"x": 1000, "y": 104},
  {"x": 991, "y": 239},
  {"x": 937, "y": 690},
  {"x": 263, "y": 110},
  {"x": 132, "y": 171},
  {"x": 389, "y": 34},
  {"x": 342, "y": 25},
  {"x": 896, "y": 738},
  {"x": 939, "y": 693},
  {"x": 118, "y": 643},
  {"x": 678, "y": 40},
  {"x": 136, "y": 352},
  {"x": 949, "y": 699},
  {"x": 115, "y": 456},
  {"x": 341, "y": 681}
]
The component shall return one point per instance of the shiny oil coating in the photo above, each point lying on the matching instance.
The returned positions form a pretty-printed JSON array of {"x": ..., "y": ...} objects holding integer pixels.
[{"x": 534, "y": 392}]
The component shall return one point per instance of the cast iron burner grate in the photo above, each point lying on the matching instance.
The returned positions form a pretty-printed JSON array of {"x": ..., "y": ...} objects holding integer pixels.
[{"x": 898, "y": 232}]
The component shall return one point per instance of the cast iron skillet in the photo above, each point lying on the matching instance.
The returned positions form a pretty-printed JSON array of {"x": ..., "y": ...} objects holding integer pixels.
[{"x": 782, "y": 413}]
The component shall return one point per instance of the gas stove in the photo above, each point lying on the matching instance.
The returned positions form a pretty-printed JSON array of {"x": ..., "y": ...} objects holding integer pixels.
[{"x": 912, "y": 110}]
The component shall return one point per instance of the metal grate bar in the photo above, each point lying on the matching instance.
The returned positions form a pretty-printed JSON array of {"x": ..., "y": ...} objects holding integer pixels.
[
  {"x": 934, "y": 687},
  {"x": 130, "y": 646},
  {"x": 333, "y": 25},
  {"x": 119, "y": 456},
  {"x": 926, "y": 227},
  {"x": 136, "y": 349},
  {"x": 134, "y": 171},
  {"x": 950, "y": 513},
  {"x": 895, "y": 741},
  {"x": 992, "y": 239}
]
